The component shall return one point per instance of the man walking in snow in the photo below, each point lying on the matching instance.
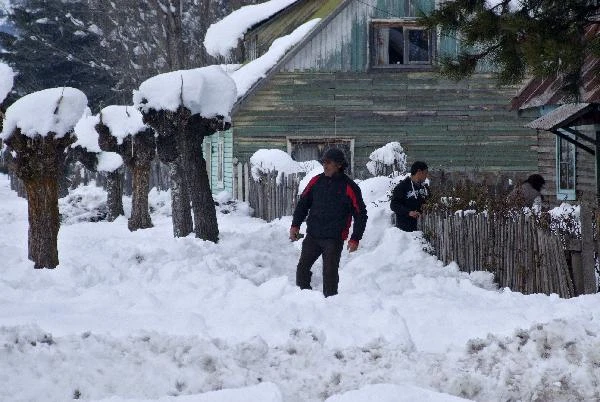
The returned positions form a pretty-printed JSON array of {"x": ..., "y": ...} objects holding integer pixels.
[
  {"x": 409, "y": 196},
  {"x": 331, "y": 199}
]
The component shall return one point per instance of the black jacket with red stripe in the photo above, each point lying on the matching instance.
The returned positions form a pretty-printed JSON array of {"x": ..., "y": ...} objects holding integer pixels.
[{"x": 331, "y": 203}]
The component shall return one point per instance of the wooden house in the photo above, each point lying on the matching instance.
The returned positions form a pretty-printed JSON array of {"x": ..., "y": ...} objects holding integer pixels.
[
  {"x": 567, "y": 132},
  {"x": 365, "y": 76}
]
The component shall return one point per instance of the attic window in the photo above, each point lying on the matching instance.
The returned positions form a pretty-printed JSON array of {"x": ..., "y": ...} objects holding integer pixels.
[{"x": 400, "y": 44}]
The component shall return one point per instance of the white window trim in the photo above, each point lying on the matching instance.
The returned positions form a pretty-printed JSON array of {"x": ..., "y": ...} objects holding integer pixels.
[{"x": 565, "y": 194}]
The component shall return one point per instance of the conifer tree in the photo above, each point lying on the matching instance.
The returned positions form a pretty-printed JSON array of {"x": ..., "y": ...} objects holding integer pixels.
[{"x": 539, "y": 38}]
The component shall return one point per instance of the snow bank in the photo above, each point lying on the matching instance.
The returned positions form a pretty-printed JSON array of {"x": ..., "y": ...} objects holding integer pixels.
[
  {"x": 54, "y": 110},
  {"x": 122, "y": 121},
  {"x": 248, "y": 74},
  {"x": 7, "y": 77},
  {"x": 224, "y": 35},
  {"x": 208, "y": 91}
]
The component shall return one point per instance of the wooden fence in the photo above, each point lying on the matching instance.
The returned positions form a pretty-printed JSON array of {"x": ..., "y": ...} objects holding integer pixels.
[
  {"x": 521, "y": 255},
  {"x": 274, "y": 195}
]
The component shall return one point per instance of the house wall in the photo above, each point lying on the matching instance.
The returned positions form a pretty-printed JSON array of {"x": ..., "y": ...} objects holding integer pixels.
[
  {"x": 283, "y": 24},
  {"x": 461, "y": 127},
  {"x": 226, "y": 138},
  {"x": 585, "y": 174}
]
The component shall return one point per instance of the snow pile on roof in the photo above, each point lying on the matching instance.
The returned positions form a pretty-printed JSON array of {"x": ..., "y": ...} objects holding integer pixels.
[
  {"x": 208, "y": 91},
  {"x": 265, "y": 161},
  {"x": 122, "y": 121},
  {"x": 54, "y": 110},
  {"x": 247, "y": 75},
  {"x": 7, "y": 77},
  {"x": 223, "y": 35},
  {"x": 85, "y": 131},
  {"x": 391, "y": 154}
]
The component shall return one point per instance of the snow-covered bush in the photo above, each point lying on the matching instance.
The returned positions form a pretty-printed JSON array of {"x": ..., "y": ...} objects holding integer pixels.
[
  {"x": 265, "y": 161},
  {"x": 387, "y": 160}
]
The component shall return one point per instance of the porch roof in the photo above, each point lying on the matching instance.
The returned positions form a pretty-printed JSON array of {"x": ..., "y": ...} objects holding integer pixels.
[{"x": 562, "y": 116}]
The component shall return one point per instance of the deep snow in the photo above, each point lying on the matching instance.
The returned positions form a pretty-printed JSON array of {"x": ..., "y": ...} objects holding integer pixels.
[{"x": 143, "y": 316}]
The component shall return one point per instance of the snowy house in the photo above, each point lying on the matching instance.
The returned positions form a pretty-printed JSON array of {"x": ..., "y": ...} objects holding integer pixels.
[
  {"x": 363, "y": 76},
  {"x": 566, "y": 132}
]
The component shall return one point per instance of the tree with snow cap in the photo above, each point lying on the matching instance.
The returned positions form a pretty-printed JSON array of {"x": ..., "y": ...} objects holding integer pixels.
[
  {"x": 38, "y": 128},
  {"x": 122, "y": 131},
  {"x": 183, "y": 107},
  {"x": 86, "y": 150}
]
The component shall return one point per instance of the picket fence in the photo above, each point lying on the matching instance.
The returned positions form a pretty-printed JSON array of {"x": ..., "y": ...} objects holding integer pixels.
[
  {"x": 272, "y": 196},
  {"x": 522, "y": 256}
]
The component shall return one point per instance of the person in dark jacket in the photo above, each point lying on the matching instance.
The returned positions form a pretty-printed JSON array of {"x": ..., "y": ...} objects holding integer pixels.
[
  {"x": 528, "y": 193},
  {"x": 409, "y": 196},
  {"x": 331, "y": 199}
]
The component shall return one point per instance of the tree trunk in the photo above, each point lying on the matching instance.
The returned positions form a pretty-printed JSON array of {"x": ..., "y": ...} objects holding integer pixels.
[
  {"x": 140, "y": 217},
  {"x": 180, "y": 201},
  {"x": 203, "y": 206},
  {"x": 114, "y": 202},
  {"x": 44, "y": 222}
]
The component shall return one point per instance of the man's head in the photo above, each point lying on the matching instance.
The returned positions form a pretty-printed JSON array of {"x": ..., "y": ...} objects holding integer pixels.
[
  {"x": 419, "y": 171},
  {"x": 536, "y": 181},
  {"x": 333, "y": 162}
]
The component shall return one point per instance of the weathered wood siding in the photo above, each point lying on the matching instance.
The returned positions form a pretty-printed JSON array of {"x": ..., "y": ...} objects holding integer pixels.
[
  {"x": 343, "y": 44},
  {"x": 453, "y": 126},
  {"x": 284, "y": 23},
  {"x": 585, "y": 171}
]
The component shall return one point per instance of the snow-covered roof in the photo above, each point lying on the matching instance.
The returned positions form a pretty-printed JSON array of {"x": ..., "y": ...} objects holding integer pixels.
[
  {"x": 85, "y": 131},
  {"x": 7, "y": 76},
  {"x": 122, "y": 121},
  {"x": 208, "y": 91},
  {"x": 223, "y": 36},
  {"x": 54, "y": 110},
  {"x": 250, "y": 73}
]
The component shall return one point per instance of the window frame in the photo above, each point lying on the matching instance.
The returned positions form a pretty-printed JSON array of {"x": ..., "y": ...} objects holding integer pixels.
[
  {"x": 325, "y": 141},
  {"x": 566, "y": 194},
  {"x": 407, "y": 24}
]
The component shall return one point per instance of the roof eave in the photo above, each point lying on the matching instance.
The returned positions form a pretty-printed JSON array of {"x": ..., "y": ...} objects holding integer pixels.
[{"x": 290, "y": 53}]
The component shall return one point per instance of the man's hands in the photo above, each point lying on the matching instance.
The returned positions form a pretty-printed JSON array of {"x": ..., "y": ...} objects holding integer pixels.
[
  {"x": 414, "y": 214},
  {"x": 352, "y": 245},
  {"x": 294, "y": 233}
]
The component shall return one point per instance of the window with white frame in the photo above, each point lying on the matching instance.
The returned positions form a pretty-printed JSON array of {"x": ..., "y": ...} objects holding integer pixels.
[
  {"x": 565, "y": 169},
  {"x": 400, "y": 44}
]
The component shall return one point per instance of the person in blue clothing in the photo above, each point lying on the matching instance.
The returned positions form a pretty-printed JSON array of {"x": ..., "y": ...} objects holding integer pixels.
[
  {"x": 330, "y": 200},
  {"x": 409, "y": 196}
]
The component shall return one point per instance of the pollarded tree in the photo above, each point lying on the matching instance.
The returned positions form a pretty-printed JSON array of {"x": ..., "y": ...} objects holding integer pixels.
[
  {"x": 540, "y": 38},
  {"x": 38, "y": 128},
  {"x": 122, "y": 131},
  {"x": 183, "y": 107},
  {"x": 86, "y": 150}
]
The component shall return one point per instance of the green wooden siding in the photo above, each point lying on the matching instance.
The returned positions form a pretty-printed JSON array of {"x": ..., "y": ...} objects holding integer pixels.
[
  {"x": 453, "y": 126},
  {"x": 226, "y": 137},
  {"x": 287, "y": 20}
]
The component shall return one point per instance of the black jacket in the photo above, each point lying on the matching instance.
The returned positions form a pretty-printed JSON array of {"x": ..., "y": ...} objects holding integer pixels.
[
  {"x": 331, "y": 203},
  {"x": 408, "y": 196}
]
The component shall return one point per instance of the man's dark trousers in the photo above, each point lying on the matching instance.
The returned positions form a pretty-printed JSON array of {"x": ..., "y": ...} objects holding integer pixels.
[{"x": 312, "y": 248}]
